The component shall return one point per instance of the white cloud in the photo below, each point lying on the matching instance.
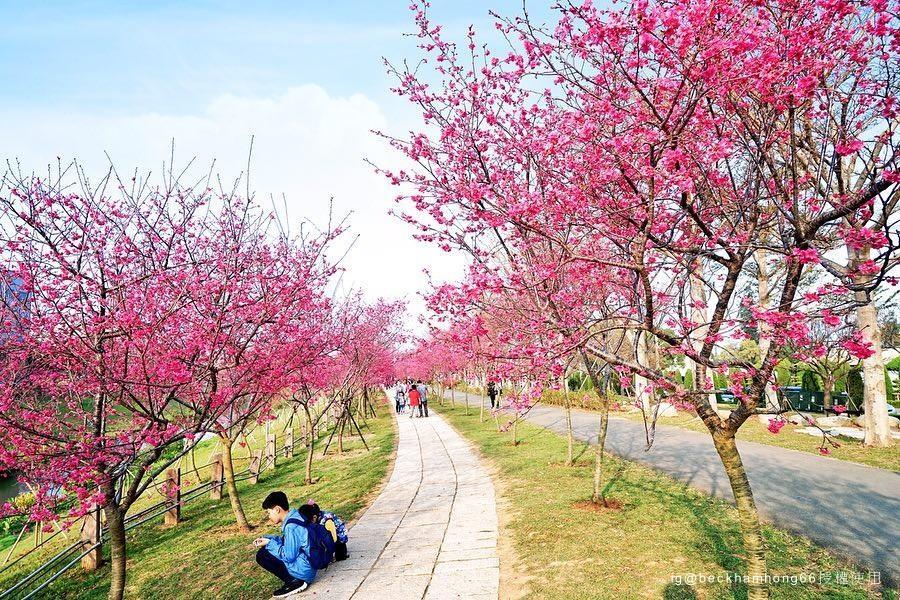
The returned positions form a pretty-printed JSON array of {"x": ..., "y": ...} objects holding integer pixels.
[{"x": 308, "y": 145}]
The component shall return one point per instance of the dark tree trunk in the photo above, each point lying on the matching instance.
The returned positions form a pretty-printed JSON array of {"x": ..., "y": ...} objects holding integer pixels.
[
  {"x": 115, "y": 521},
  {"x": 231, "y": 485}
]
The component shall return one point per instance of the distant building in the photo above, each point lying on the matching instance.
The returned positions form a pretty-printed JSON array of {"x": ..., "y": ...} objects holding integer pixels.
[{"x": 14, "y": 305}]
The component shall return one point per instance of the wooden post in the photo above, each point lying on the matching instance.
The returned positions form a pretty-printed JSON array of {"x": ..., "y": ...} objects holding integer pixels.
[
  {"x": 173, "y": 482},
  {"x": 218, "y": 477},
  {"x": 270, "y": 451},
  {"x": 90, "y": 535},
  {"x": 289, "y": 444},
  {"x": 255, "y": 461}
]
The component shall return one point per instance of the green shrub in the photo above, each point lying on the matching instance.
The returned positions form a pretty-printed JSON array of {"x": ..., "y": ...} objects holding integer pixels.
[
  {"x": 888, "y": 385},
  {"x": 719, "y": 381},
  {"x": 689, "y": 380},
  {"x": 783, "y": 373},
  {"x": 855, "y": 386},
  {"x": 810, "y": 381}
]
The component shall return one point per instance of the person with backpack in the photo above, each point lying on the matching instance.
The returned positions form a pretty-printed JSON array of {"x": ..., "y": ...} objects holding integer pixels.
[
  {"x": 296, "y": 555},
  {"x": 414, "y": 399},
  {"x": 492, "y": 393},
  {"x": 335, "y": 526}
]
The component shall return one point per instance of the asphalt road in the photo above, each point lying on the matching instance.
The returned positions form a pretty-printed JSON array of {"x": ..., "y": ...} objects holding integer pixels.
[{"x": 851, "y": 509}]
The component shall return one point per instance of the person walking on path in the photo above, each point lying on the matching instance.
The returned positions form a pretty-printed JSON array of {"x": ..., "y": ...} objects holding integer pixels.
[
  {"x": 423, "y": 397},
  {"x": 414, "y": 399},
  {"x": 492, "y": 393}
]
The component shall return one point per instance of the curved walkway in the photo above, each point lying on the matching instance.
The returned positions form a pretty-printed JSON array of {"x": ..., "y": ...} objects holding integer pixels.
[{"x": 431, "y": 533}]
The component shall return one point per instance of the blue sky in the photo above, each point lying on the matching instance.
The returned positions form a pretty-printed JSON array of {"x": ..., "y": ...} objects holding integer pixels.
[
  {"x": 175, "y": 56},
  {"x": 306, "y": 79}
]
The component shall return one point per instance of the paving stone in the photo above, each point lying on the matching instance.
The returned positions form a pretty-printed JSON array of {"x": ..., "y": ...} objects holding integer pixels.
[{"x": 431, "y": 533}]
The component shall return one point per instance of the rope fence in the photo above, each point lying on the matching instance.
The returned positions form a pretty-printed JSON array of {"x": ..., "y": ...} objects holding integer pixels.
[{"x": 89, "y": 548}]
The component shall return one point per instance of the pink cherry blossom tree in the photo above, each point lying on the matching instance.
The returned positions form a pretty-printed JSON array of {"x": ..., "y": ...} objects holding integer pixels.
[
  {"x": 90, "y": 381},
  {"x": 650, "y": 140}
]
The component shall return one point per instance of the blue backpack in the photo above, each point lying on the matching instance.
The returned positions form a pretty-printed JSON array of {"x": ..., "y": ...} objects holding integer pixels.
[
  {"x": 321, "y": 544},
  {"x": 338, "y": 525}
]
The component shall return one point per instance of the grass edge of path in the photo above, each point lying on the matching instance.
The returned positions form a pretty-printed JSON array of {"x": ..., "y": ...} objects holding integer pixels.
[{"x": 686, "y": 549}]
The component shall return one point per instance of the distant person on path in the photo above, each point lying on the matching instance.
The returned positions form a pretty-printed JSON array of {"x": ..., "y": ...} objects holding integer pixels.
[
  {"x": 423, "y": 398},
  {"x": 492, "y": 393},
  {"x": 399, "y": 397},
  {"x": 414, "y": 399},
  {"x": 286, "y": 556}
]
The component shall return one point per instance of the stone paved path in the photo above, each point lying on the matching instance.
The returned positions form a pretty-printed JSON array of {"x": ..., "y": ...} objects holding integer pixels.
[{"x": 432, "y": 533}]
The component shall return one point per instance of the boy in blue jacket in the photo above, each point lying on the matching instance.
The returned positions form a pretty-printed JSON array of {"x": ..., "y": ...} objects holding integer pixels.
[{"x": 285, "y": 556}]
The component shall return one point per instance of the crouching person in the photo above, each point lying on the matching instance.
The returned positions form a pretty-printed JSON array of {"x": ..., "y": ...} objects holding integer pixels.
[
  {"x": 333, "y": 524},
  {"x": 288, "y": 556}
]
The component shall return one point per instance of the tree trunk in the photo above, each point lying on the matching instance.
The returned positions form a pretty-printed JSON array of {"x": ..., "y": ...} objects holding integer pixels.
[
  {"x": 698, "y": 315},
  {"x": 828, "y": 388},
  {"x": 599, "y": 449},
  {"x": 569, "y": 433},
  {"x": 231, "y": 485},
  {"x": 878, "y": 430},
  {"x": 467, "y": 399},
  {"x": 640, "y": 382},
  {"x": 751, "y": 531},
  {"x": 597, "y": 496},
  {"x": 310, "y": 446},
  {"x": 115, "y": 521},
  {"x": 765, "y": 301}
]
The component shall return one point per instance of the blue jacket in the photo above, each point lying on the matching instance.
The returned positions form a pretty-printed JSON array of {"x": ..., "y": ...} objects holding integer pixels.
[{"x": 293, "y": 547}]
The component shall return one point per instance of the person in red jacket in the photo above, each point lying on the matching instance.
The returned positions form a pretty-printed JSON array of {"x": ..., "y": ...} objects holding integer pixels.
[{"x": 414, "y": 401}]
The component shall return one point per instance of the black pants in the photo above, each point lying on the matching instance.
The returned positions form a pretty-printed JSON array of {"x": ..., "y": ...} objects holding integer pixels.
[
  {"x": 273, "y": 565},
  {"x": 423, "y": 407},
  {"x": 493, "y": 401},
  {"x": 398, "y": 405},
  {"x": 340, "y": 551}
]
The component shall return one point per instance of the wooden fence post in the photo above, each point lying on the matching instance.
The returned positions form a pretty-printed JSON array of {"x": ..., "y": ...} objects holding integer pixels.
[
  {"x": 255, "y": 462},
  {"x": 218, "y": 477},
  {"x": 90, "y": 535},
  {"x": 270, "y": 451},
  {"x": 173, "y": 493},
  {"x": 289, "y": 444}
]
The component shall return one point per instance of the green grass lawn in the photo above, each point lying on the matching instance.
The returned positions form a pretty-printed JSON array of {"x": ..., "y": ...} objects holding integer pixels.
[
  {"x": 205, "y": 556},
  {"x": 663, "y": 529}
]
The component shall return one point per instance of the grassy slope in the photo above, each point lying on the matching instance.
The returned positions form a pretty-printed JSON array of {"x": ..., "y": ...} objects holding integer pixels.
[
  {"x": 205, "y": 556},
  {"x": 194, "y": 467},
  {"x": 664, "y": 528}
]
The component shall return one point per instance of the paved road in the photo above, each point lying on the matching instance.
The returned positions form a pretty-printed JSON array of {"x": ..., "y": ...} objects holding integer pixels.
[
  {"x": 848, "y": 508},
  {"x": 431, "y": 533}
]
